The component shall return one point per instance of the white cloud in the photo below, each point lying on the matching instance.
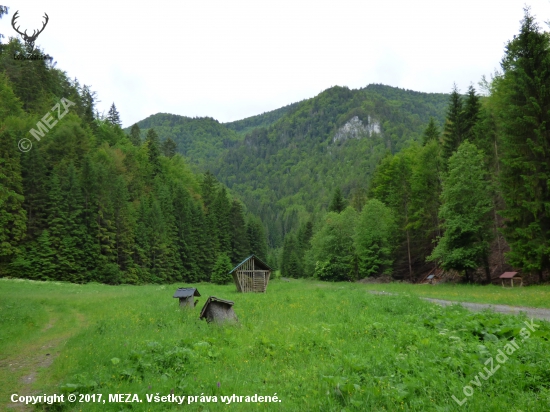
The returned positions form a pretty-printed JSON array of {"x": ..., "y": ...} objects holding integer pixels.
[{"x": 231, "y": 59}]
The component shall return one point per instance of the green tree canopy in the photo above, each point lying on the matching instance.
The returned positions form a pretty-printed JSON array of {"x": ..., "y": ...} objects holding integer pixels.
[
  {"x": 374, "y": 239},
  {"x": 465, "y": 213}
]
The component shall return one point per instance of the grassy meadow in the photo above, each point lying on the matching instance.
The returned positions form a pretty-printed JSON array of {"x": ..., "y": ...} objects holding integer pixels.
[{"x": 316, "y": 346}]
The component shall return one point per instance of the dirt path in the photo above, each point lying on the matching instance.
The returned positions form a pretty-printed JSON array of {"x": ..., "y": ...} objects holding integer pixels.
[
  {"x": 34, "y": 357},
  {"x": 538, "y": 313}
]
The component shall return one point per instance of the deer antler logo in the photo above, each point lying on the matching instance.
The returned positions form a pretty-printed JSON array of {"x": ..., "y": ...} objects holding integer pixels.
[{"x": 32, "y": 38}]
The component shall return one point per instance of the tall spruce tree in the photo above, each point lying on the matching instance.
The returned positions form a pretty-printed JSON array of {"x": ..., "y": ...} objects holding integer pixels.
[
  {"x": 34, "y": 171},
  {"x": 113, "y": 116},
  {"x": 135, "y": 135},
  {"x": 256, "y": 237},
  {"x": 153, "y": 146},
  {"x": 239, "y": 238},
  {"x": 13, "y": 218},
  {"x": 453, "y": 132},
  {"x": 222, "y": 208},
  {"x": 471, "y": 113},
  {"x": 169, "y": 147},
  {"x": 524, "y": 94},
  {"x": 431, "y": 133},
  {"x": 338, "y": 203}
]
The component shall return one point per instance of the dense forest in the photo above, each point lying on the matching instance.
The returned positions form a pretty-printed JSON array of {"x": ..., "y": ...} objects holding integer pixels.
[
  {"x": 89, "y": 202},
  {"x": 345, "y": 185},
  {"x": 286, "y": 168},
  {"x": 472, "y": 196}
]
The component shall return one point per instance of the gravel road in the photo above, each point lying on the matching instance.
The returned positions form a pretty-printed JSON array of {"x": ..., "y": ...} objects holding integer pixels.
[{"x": 537, "y": 313}]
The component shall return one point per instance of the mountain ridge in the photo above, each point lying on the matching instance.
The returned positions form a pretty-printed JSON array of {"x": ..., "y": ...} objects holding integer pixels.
[{"x": 285, "y": 164}]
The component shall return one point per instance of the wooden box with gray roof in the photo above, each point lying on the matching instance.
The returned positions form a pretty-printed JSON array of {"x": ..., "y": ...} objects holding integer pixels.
[{"x": 186, "y": 295}]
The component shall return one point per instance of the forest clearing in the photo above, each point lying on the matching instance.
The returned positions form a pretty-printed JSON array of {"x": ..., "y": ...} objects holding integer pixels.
[{"x": 314, "y": 345}]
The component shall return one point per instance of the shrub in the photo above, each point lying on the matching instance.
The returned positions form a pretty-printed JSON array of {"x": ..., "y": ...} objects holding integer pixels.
[{"x": 220, "y": 273}]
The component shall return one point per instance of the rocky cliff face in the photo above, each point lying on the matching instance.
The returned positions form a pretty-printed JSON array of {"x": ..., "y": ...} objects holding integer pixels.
[{"x": 356, "y": 129}]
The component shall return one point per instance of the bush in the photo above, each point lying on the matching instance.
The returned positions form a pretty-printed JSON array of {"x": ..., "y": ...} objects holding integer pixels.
[{"x": 220, "y": 273}]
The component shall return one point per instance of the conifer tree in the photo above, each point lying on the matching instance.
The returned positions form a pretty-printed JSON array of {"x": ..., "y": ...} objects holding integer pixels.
[
  {"x": 256, "y": 237},
  {"x": 220, "y": 272},
  {"x": 135, "y": 135},
  {"x": 184, "y": 236},
  {"x": 88, "y": 98},
  {"x": 123, "y": 223},
  {"x": 338, "y": 203},
  {"x": 113, "y": 116},
  {"x": 524, "y": 95},
  {"x": 222, "y": 208},
  {"x": 471, "y": 113},
  {"x": 200, "y": 244},
  {"x": 304, "y": 235},
  {"x": 89, "y": 184},
  {"x": 153, "y": 146},
  {"x": 453, "y": 133},
  {"x": 291, "y": 265},
  {"x": 425, "y": 195},
  {"x": 392, "y": 185},
  {"x": 239, "y": 238},
  {"x": 105, "y": 233},
  {"x": 141, "y": 252},
  {"x": 36, "y": 196},
  {"x": 431, "y": 133},
  {"x": 13, "y": 218},
  {"x": 44, "y": 258},
  {"x": 71, "y": 253},
  {"x": 158, "y": 245},
  {"x": 209, "y": 187},
  {"x": 169, "y": 148}
]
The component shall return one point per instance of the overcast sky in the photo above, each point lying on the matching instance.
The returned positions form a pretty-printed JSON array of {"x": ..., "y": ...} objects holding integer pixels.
[{"x": 231, "y": 59}]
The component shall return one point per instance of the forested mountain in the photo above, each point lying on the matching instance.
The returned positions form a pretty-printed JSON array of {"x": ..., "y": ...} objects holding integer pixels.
[
  {"x": 85, "y": 201},
  {"x": 287, "y": 167},
  {"x": 201, "y": 140},
  {"x": 261, "y": 120}
]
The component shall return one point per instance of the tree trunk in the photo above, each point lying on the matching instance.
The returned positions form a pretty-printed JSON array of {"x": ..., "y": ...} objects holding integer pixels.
[
  {"x": 498, "y": 240},
  {"x": 487, "y": 270},
  {"x": 409, "y": 252}
]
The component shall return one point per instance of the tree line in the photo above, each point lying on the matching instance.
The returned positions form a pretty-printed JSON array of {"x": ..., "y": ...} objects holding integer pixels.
[
  {"x": 467, "y": 192},
  {"x": 90, "y": 202}
]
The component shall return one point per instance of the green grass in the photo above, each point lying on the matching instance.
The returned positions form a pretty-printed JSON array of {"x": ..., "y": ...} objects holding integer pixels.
[{"x": 318, "y": 346}]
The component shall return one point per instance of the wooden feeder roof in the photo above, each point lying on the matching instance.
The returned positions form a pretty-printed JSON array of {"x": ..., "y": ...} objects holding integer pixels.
[
  {"x": 508, "y": 275},
  {"x": 260, "y": 263},
  {"x": 213, "y": 299},
  {"x": 186, "y": 292}
]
